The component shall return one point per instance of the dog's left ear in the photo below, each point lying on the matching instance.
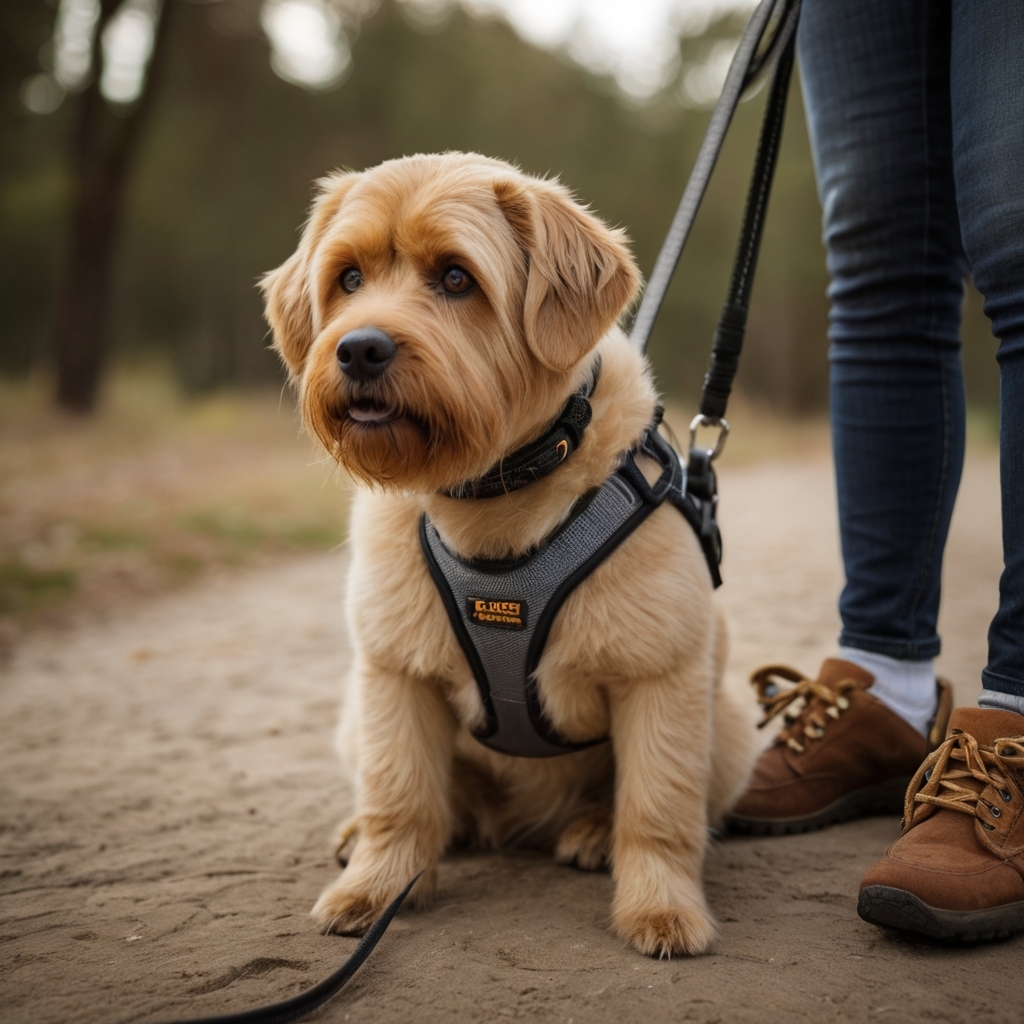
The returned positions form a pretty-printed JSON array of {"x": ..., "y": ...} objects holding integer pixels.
[
  {"x": 581, "y": 272},
  {"x": 288, "y": 290}
]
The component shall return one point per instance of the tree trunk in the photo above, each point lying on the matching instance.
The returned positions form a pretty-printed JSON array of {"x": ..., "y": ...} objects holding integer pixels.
[{"x": 104, "y": 143}]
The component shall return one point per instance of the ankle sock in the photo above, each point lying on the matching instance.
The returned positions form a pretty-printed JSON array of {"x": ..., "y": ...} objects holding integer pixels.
[
  {"x": 904, "y": 687},
  {"x": 1000, "y": 701}
]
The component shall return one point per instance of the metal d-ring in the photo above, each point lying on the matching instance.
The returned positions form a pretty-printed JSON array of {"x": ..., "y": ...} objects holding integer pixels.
[{"x": 700, "y": 420}]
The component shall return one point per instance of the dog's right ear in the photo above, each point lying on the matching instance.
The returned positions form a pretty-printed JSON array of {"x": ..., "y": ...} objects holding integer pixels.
[
  {"x": 288, "y": 295},
  {"x": 581, "y": 273}
]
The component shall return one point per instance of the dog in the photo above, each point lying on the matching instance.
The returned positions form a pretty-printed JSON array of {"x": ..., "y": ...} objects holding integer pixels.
[{"x": 496, "y": 294}]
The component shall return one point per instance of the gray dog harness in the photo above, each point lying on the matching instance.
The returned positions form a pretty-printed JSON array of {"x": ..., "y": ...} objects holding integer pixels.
[{"x": 502, "y": 612}]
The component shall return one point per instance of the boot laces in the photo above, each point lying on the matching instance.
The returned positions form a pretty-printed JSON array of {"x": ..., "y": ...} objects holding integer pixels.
[
  {"x": 940, "y": 781},
  {"x": 808, "y": 706}
]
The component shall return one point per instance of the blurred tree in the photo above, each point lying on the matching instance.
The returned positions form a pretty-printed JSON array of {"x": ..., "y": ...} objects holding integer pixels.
[
  {"x": 104, "y": 140},
  {"x": 31, "y": 186},
  {"x": 224, "y": 170}
]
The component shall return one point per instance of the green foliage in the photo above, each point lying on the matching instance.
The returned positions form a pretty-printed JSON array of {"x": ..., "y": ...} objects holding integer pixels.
[
  {"x": 23, "y": 588},
  {"x": 231, "y": 152}
]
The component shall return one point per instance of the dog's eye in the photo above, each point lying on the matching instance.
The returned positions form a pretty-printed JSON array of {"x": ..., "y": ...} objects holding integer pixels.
[
  {"x": 351, "y": 279},
  {"x": 456, "y": 281}
]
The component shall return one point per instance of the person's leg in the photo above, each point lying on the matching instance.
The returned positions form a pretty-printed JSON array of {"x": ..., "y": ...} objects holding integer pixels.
[
  {"x": 957, "y": 871},
  {"x": 1003, "y": 678},
  {"x": 987, "y": 94},
  {"x": 875, "y": 75}
]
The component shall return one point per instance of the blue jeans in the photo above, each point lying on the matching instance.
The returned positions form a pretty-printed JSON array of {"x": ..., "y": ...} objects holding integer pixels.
[{"x": 916, "y": 116}]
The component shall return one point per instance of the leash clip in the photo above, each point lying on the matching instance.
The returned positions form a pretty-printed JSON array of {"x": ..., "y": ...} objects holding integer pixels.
[{"x": 700, "y": 420}]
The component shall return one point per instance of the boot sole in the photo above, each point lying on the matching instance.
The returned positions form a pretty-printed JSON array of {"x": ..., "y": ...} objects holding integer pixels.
[
  {"x": 883, "y": 798},
  {"x": 897, "y": 908}
]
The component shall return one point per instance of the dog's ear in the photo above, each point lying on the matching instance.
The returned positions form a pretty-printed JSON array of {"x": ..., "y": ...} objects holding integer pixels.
[
  {"x": 288, "y": 290},
  {"x": 581, "y": 272}
]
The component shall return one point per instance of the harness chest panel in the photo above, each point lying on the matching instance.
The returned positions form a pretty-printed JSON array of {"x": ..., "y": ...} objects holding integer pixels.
[
  {"x": 502, "y": 612},
  {"x": 505, "y": 613}
]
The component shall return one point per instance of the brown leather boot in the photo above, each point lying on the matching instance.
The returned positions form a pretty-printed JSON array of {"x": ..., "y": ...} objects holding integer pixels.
[
  {"x": 842, "y": 753},
  {"x": 957, "y": 871}
]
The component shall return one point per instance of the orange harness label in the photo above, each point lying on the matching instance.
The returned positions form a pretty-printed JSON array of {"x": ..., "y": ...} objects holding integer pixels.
[{"x": 501, "y": 614}]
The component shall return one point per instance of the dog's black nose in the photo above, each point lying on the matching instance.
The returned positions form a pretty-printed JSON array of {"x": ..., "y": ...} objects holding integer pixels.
[{"x": 365, "y": 353}]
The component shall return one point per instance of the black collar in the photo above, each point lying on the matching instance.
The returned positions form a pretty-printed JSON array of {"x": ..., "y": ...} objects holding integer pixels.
[{"x": 539, "y": 457}]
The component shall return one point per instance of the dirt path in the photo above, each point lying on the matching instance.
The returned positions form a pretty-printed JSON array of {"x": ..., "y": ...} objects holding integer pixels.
[{"x": 168, "y": 787}]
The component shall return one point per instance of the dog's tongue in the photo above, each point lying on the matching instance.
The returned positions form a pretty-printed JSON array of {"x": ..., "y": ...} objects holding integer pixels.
[{"x": 365, "y": 412}]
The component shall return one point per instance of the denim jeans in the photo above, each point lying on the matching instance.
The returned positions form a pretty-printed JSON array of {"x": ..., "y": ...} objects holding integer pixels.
[{"x": 916, "y": 116}]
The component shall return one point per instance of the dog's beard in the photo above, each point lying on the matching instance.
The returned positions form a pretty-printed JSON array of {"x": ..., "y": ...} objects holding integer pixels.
[{"x": 384, "y": 440}]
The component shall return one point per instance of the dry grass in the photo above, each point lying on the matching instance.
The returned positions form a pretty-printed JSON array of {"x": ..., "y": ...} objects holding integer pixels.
[{"x": 148, "y": 494}]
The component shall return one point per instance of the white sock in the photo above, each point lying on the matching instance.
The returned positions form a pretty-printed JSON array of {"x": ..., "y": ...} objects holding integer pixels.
[{"x": 905, "y": 687}]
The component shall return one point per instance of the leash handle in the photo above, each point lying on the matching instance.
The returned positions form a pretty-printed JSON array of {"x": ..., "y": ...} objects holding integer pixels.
[
  {"x": 732, "y": 322},
  {"x": 746, "y": 66}
]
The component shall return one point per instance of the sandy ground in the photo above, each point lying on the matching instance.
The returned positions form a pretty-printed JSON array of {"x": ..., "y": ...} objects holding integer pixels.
[{"x": 167, "y": 788}]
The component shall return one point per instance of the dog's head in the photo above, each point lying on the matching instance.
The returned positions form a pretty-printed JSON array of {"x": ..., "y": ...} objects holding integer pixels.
[{"x": 438, "y": 311}]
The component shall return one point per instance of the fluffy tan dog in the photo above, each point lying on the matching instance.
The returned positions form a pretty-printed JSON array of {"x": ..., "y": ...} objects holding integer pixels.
[{"x": 497, "y": 293}]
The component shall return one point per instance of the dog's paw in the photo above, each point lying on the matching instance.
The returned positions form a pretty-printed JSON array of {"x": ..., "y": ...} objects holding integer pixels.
[
  {"x": 666, "y": 931},
  {"x": 345, "y": 910},
  {"x": 345, "y": 839},
  {"x": 587, "y": 842},
  {"x": 357, "y": 898}
]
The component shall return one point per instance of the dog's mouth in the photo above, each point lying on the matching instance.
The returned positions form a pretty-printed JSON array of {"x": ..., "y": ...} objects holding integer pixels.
[{"x": 371, "y": 413}]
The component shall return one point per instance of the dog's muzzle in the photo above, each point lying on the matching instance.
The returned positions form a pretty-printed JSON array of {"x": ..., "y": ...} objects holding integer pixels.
[{"x": 365, "y": 353}]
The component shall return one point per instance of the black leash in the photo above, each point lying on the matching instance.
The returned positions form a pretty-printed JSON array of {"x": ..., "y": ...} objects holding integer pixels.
[
  {"x": 306, "y": 1002},
  {"x": 748, "y": 64},
  {"x": 732, "y": 322}
]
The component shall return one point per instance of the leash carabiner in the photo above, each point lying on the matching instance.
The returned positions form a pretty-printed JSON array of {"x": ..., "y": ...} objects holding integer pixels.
[{"x": 700, "y": 420}]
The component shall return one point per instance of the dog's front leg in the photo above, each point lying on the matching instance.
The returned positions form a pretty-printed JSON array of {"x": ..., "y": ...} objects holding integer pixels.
[
  {"x": 406, "y": 737},
  {"x": 662, "y": 754}
]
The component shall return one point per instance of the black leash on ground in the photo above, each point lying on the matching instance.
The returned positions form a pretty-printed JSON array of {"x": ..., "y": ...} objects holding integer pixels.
[
  {"x": 306, "y": 1002},
  {"x": 748, "y": 64},
  {"x": 750, "y": 61}
]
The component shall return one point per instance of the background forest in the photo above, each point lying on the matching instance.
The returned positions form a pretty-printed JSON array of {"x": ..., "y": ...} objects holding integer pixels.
[{"x": 228, "y": 151}]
